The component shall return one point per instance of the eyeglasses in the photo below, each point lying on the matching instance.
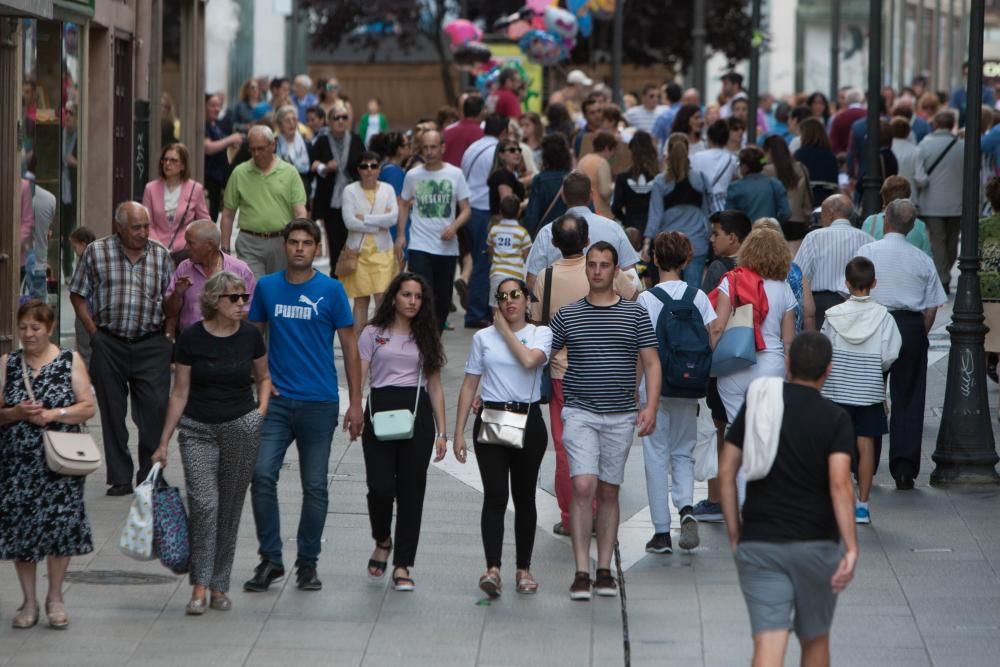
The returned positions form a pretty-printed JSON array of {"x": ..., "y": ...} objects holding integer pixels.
[
  {"x": 515, "y": 293},
  {"x": 233, "y": 298},
  {"x": 170, "y": 160},
  {"x": 368, "y": 165},
  {"x": 341, "y": 117},
  {"x": 512, "y": 149}
]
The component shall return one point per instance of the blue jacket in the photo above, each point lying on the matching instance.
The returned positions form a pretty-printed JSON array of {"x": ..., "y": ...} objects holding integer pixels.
[
  {"x": 759, "y": 196},
  {"x": 990, "y": 145},
  {"x": 544, "y": 189}
]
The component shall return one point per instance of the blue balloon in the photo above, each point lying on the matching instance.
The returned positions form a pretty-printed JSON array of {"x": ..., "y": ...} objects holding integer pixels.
[
  {"x": 581, "y": 9},
  {"x": 542, "y": 48}
]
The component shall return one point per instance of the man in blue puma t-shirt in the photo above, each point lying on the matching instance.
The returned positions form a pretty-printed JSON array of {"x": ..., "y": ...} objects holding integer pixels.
[{"x": 301, "y": 309}]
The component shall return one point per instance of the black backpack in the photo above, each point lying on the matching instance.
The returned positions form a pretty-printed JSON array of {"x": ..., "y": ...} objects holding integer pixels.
[{"x": 683, "y": 346}]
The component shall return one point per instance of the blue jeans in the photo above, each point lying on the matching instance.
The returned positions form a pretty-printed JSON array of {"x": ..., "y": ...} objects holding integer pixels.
[
  {"x": 694, "y": 271},
  {"x": 478, "y": 229},
  {"x": 311, "y": 425}
]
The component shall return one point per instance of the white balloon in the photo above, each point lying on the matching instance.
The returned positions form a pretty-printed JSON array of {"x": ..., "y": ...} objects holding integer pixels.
[{"x": 560, "y": 22}]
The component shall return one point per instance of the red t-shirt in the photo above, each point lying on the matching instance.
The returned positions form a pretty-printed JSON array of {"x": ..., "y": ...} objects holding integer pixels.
[
  {"x": 840, "y": 128},
  {"x": 507, "y": 104},
  {"x": 458, "y": 137}
]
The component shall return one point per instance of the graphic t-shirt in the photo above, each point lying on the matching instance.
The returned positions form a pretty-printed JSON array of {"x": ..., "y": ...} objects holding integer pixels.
[
  {"x": 221, "y": 371},
  {"x": 434, "y": 196},
  {"x": 301, "y": 322}
]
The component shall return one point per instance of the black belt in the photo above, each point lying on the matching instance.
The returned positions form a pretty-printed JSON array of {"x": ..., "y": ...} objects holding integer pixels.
[
  {"x": 132, "y": 340},
  {"x": 901, "y": 312},
  {"x": 263, "y": 235},
  {"x": 509, "y": 406}
]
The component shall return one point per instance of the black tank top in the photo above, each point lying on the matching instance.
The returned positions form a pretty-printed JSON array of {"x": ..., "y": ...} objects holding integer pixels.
[{"x": 683, "y": 194}]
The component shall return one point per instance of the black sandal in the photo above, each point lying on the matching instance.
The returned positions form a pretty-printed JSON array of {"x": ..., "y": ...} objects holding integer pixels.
[
  {"x": 403, "y": 584},
  {"x": 381, "y": 565}
]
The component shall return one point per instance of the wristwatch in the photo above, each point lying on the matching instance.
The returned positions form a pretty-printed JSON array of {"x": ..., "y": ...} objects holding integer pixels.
[{"x": 62, "y": 413}]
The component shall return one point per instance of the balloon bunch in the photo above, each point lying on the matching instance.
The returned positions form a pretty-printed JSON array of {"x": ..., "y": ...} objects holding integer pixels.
[
  {"x": 467, "y": 49},
  {"x": 546, "y": 32}
]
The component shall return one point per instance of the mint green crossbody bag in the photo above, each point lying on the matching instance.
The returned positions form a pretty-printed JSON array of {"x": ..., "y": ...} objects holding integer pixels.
[{"x": 390, "y": 425}]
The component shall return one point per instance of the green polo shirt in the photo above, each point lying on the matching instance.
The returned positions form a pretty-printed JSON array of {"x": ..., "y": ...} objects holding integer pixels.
[{"x": 264, "y": 201}]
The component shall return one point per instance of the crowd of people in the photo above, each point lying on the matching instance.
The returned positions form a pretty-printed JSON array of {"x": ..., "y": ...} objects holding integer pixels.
[{"x": 582, "y": 244}]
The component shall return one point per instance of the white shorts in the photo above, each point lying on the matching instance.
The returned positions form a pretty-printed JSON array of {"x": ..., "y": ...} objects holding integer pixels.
[{"x": 598, "y": 444}]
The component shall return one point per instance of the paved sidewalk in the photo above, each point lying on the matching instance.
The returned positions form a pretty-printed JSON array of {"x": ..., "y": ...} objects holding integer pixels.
[{"x": 927, "y": 590}]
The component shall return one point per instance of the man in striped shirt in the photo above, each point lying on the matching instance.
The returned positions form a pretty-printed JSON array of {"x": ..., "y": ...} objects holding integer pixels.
[
  {"x": 605, "y": 336},
  {"x": 909, "y": 286},
  {"x": 825, "y": 253}
]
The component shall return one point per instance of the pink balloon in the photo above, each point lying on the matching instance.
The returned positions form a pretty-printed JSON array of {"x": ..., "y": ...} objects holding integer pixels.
[
  {"x": 538, "y": 6},
  {"x": 462, "y": 31},
  {"x": 516, "y": 30}
]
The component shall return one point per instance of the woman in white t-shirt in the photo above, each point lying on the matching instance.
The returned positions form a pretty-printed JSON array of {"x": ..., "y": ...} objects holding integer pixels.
[
  {"x": 402, "y": 356},
  {"x": 508, "y": 358},
  {"x": 764, "y": 252}
]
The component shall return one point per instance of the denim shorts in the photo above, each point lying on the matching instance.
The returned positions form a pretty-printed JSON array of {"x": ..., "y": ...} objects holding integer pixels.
[
  {"x": 598, "y": 444},
  {"x": 786, "y": 585}
]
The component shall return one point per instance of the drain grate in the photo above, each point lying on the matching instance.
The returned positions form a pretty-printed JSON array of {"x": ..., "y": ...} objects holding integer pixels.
[{"x": 118, "y": 578}]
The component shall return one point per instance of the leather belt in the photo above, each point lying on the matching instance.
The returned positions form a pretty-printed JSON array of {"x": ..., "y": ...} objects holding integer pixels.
[
  {"x": 132, "y": 340},
  {"x": 262, "y": 235},
  {"x": 508, "y": 406}
]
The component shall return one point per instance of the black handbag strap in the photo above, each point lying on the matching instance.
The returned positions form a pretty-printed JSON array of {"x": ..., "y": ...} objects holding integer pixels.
[
  {"x": 547, "y": 297},
  {"x": 940, "y": 157}
]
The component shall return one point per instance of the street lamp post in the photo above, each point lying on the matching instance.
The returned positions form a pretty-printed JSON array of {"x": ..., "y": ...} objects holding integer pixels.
[
  {"x": 617, "y": 52},
  {"x": 872, "y": 181},
  {"x": 834, "y": 49},
  {"x": 698, "y": 34},
  {"x": 965, "y": 452},
  {"x": 755, "y": 43}
]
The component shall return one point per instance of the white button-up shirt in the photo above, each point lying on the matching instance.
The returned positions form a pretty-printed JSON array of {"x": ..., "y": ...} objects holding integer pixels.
[
  {"x": 824, "y": 255},
  {"x": 477, "y": 162},
  {"x": 907, "y": 279}
]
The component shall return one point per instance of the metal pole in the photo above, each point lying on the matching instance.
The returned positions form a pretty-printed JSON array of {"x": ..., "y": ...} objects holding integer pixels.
[
  {"x": 698, "y": 56},
  {"x": 950, "y": 72},
  {"x": 755, "y": 41},
  {"x": 617, "y": 47},
  {"x": 936, "y": 48},
  {"x": 890, "y": 46},
  {"x": 872, "y": 181},
  {"x": 834, "y": 49},
  {"x": 918, "y": 66},
  {"x": 965, "y": 451},
  {"x": 901, "y": 58}
]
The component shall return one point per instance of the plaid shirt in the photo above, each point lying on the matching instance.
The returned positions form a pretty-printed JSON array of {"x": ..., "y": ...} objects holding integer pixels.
[{"x": 127, "y": 298}]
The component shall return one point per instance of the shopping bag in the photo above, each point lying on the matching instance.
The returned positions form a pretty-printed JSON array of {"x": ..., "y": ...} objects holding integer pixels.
[
  {"x": 136, "y": 540},
  {"x": 737, "y": 348},
  {"x": 706, "y": 450},
  {"x": 170, "y": 529}
]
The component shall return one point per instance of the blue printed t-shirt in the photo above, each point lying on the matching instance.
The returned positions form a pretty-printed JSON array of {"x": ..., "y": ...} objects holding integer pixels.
[{"x": 302, "y": 320}]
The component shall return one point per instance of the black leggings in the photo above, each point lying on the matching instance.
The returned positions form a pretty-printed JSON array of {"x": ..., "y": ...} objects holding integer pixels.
[
  {"x": 498, "y": 463},
  {"x": 336, "y": 235},
  {"x": 396, "y": 472}
]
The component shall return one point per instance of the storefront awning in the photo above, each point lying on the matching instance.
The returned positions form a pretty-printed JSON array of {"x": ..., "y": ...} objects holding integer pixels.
[{"x": 39, "y": 9}]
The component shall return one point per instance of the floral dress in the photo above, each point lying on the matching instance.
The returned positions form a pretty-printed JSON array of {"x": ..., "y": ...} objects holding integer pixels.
[
  {"x": 794, "y": 281},
  {"x": 41, "y": 513}
]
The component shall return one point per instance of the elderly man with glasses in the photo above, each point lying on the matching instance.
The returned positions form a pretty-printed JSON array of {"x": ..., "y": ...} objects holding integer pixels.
[
  {"x": 181, "y": 304},
  {"x": 267, "y": 192}
]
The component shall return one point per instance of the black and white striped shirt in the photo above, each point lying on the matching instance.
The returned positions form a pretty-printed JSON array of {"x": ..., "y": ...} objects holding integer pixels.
[{"x": 603, "y": 344}]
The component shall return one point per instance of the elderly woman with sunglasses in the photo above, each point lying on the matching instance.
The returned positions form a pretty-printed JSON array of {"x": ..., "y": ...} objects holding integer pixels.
[
  {"x": 506, "y": 362},
  {"x": 335, "y": 158},
  {"x": 370, "y": 210},
  {"x": 218, "y": 362}
]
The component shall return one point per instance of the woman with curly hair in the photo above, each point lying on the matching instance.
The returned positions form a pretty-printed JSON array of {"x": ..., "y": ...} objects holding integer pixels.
[
  {"x": 402, "y": 355},
  {"x": 690, "y": 122},
  {"x": 764, "y": 256}
]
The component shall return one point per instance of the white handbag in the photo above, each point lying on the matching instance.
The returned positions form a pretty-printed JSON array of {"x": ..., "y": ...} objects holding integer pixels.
[
  {"x": 706, "y": 448},
  {"x": 136, "y": 540}
]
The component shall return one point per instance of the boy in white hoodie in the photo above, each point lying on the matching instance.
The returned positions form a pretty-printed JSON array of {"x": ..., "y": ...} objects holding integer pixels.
[{"x": 866, "y": 342}]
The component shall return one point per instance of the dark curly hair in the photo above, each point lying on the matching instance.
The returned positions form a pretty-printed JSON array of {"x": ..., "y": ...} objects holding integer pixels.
[{"x": 423, "y": 328}]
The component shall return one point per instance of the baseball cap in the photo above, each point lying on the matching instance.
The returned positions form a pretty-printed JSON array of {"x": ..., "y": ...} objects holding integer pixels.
[{"x": 578, "y": 77}]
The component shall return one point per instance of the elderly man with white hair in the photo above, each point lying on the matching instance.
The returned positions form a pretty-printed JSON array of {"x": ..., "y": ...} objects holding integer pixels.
[
  {"x": 182, "y": 305},
  {"x": 302, "y": 95},
  {"x": 268, "y": 193},
  {"x": 125, "y": 276}
]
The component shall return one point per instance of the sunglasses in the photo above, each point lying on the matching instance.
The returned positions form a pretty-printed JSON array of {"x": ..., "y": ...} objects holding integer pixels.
[
  {"x": 341, "y": 117},
  {"x": 368, "y": 165},
  {"x": 233, "y": 298},
  {"x": 512, "y": 149},
  {"x": 516, "y": 293}
]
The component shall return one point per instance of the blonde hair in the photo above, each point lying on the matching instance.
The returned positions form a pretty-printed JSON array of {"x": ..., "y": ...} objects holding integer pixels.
[
  {"x": 765, "y": 252},
  {"x": 678, "y": 165},
  {"x": 768, "y": 223},
  {"x": 219, "y": 284}
]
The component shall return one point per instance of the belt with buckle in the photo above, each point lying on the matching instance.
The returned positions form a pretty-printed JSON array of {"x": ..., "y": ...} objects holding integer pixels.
[
  {"x": 508, "y": 406},
  {"x": 262, "y": 235},
  {"x": 132, "y": 340}
]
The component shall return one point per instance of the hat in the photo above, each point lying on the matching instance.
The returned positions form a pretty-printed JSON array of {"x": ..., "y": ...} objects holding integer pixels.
[{"x": 578, "y": 77}]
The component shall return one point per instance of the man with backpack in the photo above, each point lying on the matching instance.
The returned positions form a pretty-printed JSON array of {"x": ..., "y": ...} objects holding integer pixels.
[{"x": 681, "y": 317}]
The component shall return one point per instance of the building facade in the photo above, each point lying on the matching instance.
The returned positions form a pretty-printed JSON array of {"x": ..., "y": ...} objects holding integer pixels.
[{"x": 80, "y": 140}]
